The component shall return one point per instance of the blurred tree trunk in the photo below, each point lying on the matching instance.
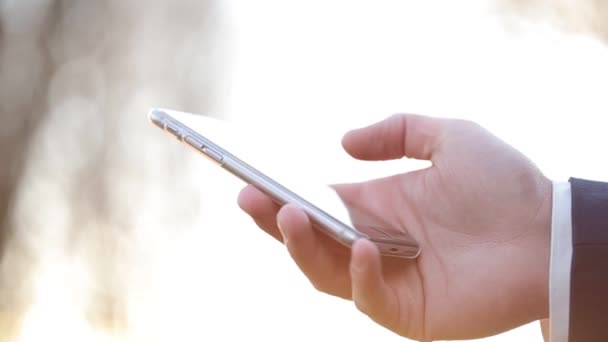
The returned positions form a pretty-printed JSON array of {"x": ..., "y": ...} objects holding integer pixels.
[
  {"x": 53, "y": 53},
  {"x": 24, "y": 76}
]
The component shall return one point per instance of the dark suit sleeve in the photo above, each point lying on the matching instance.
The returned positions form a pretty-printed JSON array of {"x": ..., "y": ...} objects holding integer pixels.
[{"x": 589, "y": 269}]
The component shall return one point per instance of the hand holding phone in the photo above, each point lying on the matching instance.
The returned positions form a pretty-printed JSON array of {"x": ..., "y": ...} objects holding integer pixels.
[{"x": 481, "y": 212}]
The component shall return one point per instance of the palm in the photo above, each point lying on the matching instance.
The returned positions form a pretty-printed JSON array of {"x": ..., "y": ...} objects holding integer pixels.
[
  {"x": 474, "y": 213},
  {"x": 467, "y": 242}
]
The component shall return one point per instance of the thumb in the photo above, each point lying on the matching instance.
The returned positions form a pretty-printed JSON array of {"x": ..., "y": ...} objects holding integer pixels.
[
  {"x": 409, "y": 135},
  {"x": 370, "y": 292}
]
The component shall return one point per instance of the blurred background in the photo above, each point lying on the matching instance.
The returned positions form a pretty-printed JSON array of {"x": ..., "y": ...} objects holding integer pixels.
[{"x": 109, "y": 231}]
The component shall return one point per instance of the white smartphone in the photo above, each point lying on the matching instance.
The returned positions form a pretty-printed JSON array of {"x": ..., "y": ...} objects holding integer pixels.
[{"x": 390, "y": 241}]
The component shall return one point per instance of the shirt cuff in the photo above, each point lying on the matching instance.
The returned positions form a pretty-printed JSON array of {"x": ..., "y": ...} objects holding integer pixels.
[{"x": 561, "y": 258}]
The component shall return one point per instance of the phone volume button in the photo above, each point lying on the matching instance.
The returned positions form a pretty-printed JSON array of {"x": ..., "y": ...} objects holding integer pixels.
[
  {"x": 172, "y": 129},
  {"x": 213, "y": 154},
  {"x": 193, "y": 142},
  {"x": 199, "y": 146}
]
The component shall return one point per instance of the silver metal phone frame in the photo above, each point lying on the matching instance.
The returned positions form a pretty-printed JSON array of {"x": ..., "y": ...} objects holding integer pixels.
[{"x": 323, "y": 221}]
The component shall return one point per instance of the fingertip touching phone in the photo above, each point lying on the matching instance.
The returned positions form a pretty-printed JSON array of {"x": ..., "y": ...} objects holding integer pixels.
[{"x": 390, "y": 242}]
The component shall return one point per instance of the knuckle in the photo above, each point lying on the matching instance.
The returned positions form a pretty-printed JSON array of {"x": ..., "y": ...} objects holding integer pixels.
[
  {"x": 459, "y": 129},
  {"x": 329, "y": 288},
  {"x": 399, "y": 116},
  {"x": 400, "y": 119},
  {"x": 320, "y": 286},
  {"x": 469, "y": 124},
  {"x": 361, "y": 305}
]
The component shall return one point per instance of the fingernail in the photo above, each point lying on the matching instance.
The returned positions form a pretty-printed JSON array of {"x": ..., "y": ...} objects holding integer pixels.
[{"x": 282, "y": 233}]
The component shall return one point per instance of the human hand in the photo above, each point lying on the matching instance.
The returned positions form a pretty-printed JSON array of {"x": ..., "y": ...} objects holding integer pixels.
[{"x": 481, "y": 214}]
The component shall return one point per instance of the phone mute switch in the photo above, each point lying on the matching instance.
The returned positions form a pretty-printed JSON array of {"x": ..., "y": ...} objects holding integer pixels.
[{"x": 213, "y": 154}]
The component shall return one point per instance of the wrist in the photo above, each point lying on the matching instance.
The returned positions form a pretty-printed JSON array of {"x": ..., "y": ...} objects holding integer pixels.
[{"x": 540, "y": 255}]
